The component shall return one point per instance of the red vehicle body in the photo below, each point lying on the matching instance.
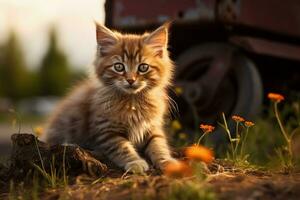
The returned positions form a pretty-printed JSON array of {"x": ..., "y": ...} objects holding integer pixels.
[
  {"x": 263, "y": 26},
  {"x": 221, "y": 48}
]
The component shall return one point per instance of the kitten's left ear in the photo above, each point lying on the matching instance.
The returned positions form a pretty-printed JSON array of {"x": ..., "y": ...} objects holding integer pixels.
[{"x": 158, "y": 39}]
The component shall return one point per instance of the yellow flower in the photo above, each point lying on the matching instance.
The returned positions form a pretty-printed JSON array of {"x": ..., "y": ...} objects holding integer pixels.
[
  {"x": 275, "y": 97},
  {"x": 238, "y": 118},
  {"x": 178, "y": 90},
  {"x": 177, "y": 169},
  {"x": 176, "y": 125},
  {"x": 182, "y": 136},
  {"x": 207, "y": 128},
  {"x": 38, "y": 130},
  {"x": 199, "y": 153},
  {"x": 249, "y": 124}
]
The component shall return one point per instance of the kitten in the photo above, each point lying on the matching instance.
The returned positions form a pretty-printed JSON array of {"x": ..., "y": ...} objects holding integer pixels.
[{"x": 119, "y": 111}]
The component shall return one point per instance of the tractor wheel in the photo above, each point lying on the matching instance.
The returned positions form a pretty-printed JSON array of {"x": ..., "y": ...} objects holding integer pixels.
[{"x": 215, "y": 78}]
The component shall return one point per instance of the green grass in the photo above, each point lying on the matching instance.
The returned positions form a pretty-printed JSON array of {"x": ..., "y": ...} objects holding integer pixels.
[
  {"x": 189, "y": 190},
  {"x": 265, "y": 145},
  {"x": 266, "y": 141},
  {"x": 22, "y": 191},
  {"x": 55, "y": 177}
]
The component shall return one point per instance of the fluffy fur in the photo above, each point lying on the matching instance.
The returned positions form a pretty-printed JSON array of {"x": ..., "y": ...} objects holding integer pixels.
[{"x": 121, "y": 113}]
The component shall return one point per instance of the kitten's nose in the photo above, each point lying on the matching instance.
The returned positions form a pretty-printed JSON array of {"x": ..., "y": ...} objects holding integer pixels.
[
  {"x": 130, "y": 78},
  {"x": 131, "y": 81}
]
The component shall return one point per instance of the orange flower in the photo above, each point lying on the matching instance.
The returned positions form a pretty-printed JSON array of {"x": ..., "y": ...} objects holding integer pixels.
[
  {"x": 207, "y": 128},
  {"x": 275, "y": 97},
  {"x": 249, "y": 124},
  {"x": 238, "y": 118},
  {"x": 177, "y": 169},
  {"x": 199, "y": 153}
]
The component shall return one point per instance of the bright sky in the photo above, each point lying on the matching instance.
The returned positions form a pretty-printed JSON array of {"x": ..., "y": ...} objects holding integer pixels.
[{"x": 74, "y": 20}]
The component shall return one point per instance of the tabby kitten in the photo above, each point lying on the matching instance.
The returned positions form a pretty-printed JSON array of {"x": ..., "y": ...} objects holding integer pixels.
[{"x": 119, "y": 111}]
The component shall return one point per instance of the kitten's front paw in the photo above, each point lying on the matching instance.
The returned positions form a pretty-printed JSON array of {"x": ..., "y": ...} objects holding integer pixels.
[{"x": 137, "y": 166}]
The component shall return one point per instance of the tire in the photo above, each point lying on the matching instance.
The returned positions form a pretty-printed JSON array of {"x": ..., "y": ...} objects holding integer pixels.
[{"x": 239, "y": 94}]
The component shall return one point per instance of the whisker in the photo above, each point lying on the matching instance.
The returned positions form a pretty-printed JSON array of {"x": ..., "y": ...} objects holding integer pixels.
[{"x": 174, "y": 110}]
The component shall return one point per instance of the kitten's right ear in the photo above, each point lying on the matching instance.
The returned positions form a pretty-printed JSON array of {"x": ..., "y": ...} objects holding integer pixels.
[{"x": 106, "y": 39}]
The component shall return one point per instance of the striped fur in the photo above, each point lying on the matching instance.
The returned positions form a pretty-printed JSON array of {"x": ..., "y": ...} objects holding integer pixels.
[{"x": 108, "y": 115}]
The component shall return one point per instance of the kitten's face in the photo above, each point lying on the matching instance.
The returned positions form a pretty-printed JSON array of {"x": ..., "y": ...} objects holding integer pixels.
[
  {"x": 130, "y": 74},
  {"x": 133, "y": 63}
]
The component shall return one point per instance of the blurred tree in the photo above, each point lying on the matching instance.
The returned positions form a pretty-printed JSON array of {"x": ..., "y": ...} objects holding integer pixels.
[
  {"x": 1, "y": 71},
  {"x": 14, "y": 77},
  {"x": 55, "y": 75}
]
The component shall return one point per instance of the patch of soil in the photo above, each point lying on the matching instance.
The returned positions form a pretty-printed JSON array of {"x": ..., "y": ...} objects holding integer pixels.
[
  {"x": 225, "y": 185},
  {"x": 226, "y": 181},
  {"x": 256, "y": 185}
]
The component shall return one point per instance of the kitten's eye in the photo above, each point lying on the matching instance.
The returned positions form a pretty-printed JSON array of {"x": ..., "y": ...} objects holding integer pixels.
[
  {"x": 143, "y": 67},
  {"x": 119, "y": 67}
]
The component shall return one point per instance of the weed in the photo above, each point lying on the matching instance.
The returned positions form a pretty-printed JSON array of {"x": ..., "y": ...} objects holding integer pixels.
[
  {"x": 284, "y": 153},
  {"x": 53, "y": 178},
  {"x": 237, "y": 141},
  {"x": 206, "y": 129}
]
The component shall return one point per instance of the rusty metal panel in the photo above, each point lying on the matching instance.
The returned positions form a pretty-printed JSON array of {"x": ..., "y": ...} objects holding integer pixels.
[
  {"x": 144, "y": 12},
  {"x": 266, "y": 47},
  {"x": 271, "y": 15}
]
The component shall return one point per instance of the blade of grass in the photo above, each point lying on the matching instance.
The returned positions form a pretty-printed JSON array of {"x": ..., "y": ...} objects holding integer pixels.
[
  {"x": 229, "y": 135},
  {"x": 64, "y": 166},
  {"x": 39, "y": 153}
]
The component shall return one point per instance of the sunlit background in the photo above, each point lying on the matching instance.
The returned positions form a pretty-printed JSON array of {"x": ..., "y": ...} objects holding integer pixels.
[
  {"x": 45, "y": 46},
  {"x": 32, "y": 19}
]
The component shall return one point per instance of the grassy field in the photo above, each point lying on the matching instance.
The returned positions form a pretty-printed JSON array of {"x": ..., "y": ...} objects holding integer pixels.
[{"x": 260, "y": 161}]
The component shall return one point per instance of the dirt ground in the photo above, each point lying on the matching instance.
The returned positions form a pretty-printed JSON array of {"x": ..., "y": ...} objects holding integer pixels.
[
  {"x": 224, "y": 185},
  {"x": 223, "y": 180},
  {"x": 258, "y": 185}
]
